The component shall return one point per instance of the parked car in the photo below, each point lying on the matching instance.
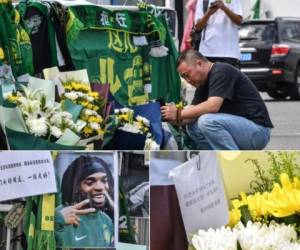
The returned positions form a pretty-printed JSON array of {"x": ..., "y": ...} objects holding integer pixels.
[{"x": 270, "y": 55}]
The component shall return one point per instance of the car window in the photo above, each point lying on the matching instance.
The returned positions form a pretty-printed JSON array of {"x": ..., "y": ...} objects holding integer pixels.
[
  {"x": 261, "y": 31},
  {"x": 290, "y": 31}
]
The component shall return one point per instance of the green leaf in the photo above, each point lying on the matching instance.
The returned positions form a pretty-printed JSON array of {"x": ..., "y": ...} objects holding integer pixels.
[
  {"x": 246, "y": 216},
  {"x": 191, "y": 247},
  {"x": 43, "y": 101},
  {"x": 239, "y": 245},
  {"x": 292, "y": 219},
  {"x": 110, "y": 128}
]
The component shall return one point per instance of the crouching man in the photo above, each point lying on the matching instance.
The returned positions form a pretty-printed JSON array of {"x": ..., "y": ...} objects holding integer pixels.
[{"x": 227, "y": 112}]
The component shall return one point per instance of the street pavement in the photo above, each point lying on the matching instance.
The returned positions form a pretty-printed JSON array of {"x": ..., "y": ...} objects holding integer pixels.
[{"x": 285, "y": 116}]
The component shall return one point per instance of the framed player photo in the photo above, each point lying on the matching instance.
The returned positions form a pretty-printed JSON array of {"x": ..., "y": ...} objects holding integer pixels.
[{"x": 87, "y": 214}]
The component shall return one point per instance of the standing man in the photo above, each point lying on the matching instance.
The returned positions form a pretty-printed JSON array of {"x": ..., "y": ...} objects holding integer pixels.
[
  {"x": 220, "y": 39},
  {"x": 227, "y": 113}
]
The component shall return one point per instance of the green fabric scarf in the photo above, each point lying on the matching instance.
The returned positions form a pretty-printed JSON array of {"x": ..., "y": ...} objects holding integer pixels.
[
  {"x": 39, "y": 222},
  {"x": 51, "y": 30},
  {"x": 15, "y": 41}
]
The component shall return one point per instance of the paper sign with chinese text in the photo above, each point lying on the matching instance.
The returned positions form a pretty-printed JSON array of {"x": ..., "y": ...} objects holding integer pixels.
[
  {"x": 200, "y": 192},
  {"x": 26, "y": 173}
]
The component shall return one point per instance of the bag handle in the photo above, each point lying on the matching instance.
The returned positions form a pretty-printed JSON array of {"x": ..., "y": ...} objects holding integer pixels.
[{"x": 194, "y": 154}]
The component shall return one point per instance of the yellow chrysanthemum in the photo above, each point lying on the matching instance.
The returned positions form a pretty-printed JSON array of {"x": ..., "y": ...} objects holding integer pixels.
[
  {"x": 2, "y": 56},
  {"x": 100, "y": 132},
  {"x": 87, "y": 131},
  {"x": 94, "y": 119},
  {"x": 287, "y": 183},
  {"x": 95, "y": 108},
  {"x": 84, "y": 103},
  {"x": 74, "y": 85},
  {"x": 94, "y": 94},
  {"x": 81, "y": 87},
  {"x": 13, "y": 99},
  {"x": 68, "y": 87},
  {"x": 256, "y": 205},
  {"x": 234, "y": 217},
  {"x": 90, "y": 106},
  {"x": 179, "y": 105},
  {"x": 296, "y": 183},
  {"x": 124, "y": 117},
  {"x": 139, "y": 124},
  {"x": 283, "y": 202},
  {"x": 237, "y": 203},
  {"x": 86, "y": 87},
  {"x": 84, "y": 118}
]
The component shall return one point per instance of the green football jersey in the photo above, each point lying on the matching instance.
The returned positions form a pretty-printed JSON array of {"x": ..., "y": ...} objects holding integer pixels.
[{"x": 95, "y": 230}]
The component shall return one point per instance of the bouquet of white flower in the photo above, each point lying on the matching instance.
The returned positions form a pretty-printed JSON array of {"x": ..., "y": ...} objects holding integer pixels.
[
  {"x": 92, "y": 104},
  {"x": 259, "y": 236},
  {"x": 137, "y": 127},
  {"x": 37, "y": 119},
  {"x": 42, "y": 119},
  {"x": 255, "y": 236}
]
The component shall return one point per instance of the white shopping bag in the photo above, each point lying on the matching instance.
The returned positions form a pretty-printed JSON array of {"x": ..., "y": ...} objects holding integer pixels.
[{"x": 200, "y": 192}]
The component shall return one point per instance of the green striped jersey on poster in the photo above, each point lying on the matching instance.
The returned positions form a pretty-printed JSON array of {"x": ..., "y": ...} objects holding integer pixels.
[{"x": 102, "y": 41}]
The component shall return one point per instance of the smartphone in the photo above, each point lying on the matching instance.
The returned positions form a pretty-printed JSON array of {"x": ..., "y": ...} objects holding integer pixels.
[{"x": 213, "y": 4}]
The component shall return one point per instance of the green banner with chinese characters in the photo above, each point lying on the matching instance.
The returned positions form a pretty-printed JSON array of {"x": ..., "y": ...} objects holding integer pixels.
[{"x": 114, "y": 47}]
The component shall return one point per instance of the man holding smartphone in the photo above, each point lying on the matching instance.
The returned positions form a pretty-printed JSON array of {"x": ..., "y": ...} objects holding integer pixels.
[{"x": 220, "y": 39}]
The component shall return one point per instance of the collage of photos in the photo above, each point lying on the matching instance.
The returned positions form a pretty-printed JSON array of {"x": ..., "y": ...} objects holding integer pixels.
[
  {"x": 149, "y": 125},
  {"x": 162, "y": 200}
]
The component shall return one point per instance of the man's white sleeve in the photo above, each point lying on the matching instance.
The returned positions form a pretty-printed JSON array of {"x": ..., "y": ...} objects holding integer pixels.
[
  {"x": 237, "y": 7},
  {"x": 199, "y": 10}
]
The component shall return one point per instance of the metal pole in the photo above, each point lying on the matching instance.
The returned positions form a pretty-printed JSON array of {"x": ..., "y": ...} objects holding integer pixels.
[{"x": 8, "y": 236}]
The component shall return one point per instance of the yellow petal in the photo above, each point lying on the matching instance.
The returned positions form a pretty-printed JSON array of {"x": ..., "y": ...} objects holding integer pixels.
[
  {"x": 2, "y": 56},
  {"x": 285, "y": 181},
  {"x": 234, "y": 217}
]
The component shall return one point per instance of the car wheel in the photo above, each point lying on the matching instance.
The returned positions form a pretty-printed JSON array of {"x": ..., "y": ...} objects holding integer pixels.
[
  {"x": 295, "y": 87},
  {"x": 278, "y": 93}
]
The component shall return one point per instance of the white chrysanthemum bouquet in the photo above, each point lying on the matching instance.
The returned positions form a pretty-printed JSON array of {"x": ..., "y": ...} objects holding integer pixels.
[
  {"x": 43, "y": 118},
  {"x": 253, "y": 236},
  {"x": 90, "y": 117},
  {"x": 136, "y": 125}
]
